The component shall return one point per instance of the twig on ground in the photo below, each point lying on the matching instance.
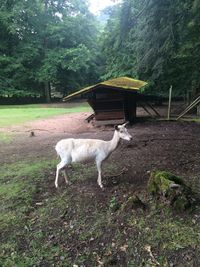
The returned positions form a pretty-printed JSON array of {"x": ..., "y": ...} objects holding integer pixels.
[
  {"x": 38, "y": 130},
  {"x": 148, "y": 249},
  {"x": 117, "y": 175}
]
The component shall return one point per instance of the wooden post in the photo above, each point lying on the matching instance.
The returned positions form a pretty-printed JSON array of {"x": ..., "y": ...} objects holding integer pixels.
[
  {"x": 198, "y": 110},
  {"x": 169, "y": 104}
]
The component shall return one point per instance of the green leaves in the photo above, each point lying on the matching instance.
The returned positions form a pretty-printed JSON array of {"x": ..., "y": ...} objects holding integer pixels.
[
  {"x": 46, "y": 42},
  {"x": 76, "y": 58},
  {"x": 157, "y": 41}
]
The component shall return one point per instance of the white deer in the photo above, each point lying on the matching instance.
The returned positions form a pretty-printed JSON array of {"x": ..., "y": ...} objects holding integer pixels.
[{"x": 84, "y": 150}]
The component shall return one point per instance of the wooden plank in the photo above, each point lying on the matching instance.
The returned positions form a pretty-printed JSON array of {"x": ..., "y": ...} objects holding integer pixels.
[
  {"x": 106, "y": 104},
  {"x": 108, "y": 115},
  {"x": 143, "y": 106},
  {"x": 192, "y": 105},
  {"x": 198, "y": 110},
  {"x": 108, "y": 122},
  {"x": 156, "y": 112},
  {"x": 89, "y": 118},
  {"x": 169, "y": 103}
]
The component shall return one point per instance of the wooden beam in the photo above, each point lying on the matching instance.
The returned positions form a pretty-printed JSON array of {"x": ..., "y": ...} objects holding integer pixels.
[
  {"x": 156, "y": 112},
  {"x": 143, "y": 106},
  {"x": 192, "y": 105},
  {"x": 169, "y": 104},
  {"x": 91, "y": 117}
]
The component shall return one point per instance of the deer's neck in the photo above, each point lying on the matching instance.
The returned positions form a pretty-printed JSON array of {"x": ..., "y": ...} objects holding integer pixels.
[{"x": 112, "y": 144}]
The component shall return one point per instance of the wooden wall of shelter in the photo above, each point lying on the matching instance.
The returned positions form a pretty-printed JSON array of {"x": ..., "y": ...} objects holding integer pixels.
[
  {"x": 114, "y": 99},
  {"x": 113, "y": 104}
]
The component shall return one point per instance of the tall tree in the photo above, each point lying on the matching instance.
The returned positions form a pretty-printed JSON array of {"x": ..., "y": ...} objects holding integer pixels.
[
  {"x": 155, "y": 40},
  {"x": 48, "y": 44},
  {"x": 119, "y": 42}
]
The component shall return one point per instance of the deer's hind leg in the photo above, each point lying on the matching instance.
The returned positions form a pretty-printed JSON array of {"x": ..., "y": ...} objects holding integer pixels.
[
  {"x": 64, "y": 170},
  {"x": 62, "y": 166}
]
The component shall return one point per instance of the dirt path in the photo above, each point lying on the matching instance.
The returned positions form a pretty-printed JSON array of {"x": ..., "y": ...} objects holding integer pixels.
[
  {"x": 46, "y": 133},
  {"x": 69, "y": 123}
]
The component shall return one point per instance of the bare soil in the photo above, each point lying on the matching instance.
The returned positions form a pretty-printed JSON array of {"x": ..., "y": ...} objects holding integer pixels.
[{"x": 173, "y": 146}]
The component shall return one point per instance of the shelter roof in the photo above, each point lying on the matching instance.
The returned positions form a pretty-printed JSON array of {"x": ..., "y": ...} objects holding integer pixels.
[{"x": 123, "y": 83}]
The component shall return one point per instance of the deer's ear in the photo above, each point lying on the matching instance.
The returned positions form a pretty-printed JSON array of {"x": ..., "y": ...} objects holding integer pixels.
[
  {"x": 126, "y": 123},
  {"x": 116, "y": 128}
]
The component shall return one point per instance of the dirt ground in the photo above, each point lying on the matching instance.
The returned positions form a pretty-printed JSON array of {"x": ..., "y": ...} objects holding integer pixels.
[
  {"x": 156, "y": 145},
  {"x": 173, "y": 146}
]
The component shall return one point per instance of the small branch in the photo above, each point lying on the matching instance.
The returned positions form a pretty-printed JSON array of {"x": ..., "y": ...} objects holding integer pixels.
[
  {"x": 38, "y": 130},
  {"x": 63, "y": 215},
  {"x": 117, "y": 175},
  {"x": 148, "y": 249},
  {"x": 31, "y": 130}
]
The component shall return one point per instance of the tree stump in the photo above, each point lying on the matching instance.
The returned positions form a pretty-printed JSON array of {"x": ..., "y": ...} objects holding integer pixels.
[{"x": 171, "y": 190}]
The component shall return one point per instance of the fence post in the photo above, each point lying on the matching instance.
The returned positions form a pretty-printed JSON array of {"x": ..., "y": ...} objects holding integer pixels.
[{"x": 169, "y": 104}]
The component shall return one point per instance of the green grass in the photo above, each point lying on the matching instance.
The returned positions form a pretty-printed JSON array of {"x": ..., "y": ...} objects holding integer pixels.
[
  {"x": 11, "y": 115},
  {"x": 6, "y": 138},
  {"x": 191, "y": 119},
  {"x": 82, "y": 225},
  {"x": 20, "y": 183}
]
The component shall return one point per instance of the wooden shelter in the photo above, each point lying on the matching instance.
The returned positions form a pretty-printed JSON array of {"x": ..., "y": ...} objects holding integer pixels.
[{"x": 113, "y": 99}]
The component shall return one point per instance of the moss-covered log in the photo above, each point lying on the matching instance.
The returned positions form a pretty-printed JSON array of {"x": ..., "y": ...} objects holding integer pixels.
[
  {"x": 161, "y": 182},
  {"x": 170, "y": 188}
]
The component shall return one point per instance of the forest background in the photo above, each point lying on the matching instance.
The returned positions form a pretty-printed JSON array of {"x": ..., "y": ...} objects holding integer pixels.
[{"x": 50, "y": 48}]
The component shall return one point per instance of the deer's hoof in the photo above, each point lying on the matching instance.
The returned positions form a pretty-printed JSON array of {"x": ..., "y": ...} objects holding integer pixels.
[{"x": 101, "y": 186}]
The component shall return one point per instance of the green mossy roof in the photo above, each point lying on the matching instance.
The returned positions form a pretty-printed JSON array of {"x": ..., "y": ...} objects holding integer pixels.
[{"x": 121, "y": 82}]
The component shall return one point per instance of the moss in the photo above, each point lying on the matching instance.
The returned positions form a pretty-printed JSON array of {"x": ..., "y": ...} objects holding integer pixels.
[
  {"x": 133, "y": 202},
  {"x": 181, "y": 203},
  {"x": 114, "y": 205},
  {"x": 120, "y": 82},
  {"x": 125, "y": 83},
  {"x": 160, "y": 182}
]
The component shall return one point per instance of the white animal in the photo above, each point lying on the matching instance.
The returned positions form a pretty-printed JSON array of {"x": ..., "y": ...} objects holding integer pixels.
[{"x": 84, "y": 150}]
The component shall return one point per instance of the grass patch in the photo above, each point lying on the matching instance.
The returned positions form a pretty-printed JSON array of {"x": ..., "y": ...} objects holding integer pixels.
[
  {"x": 10, "y": 115},
  {"x": 83, "y": 225},
  {"x": 190, "y": 119},
  {"x": 20, "y": 184},
  {"x": 6, "y": 138},
  {"x": 169, "y": 234}
]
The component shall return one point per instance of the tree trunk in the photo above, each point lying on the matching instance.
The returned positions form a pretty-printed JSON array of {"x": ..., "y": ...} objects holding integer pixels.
[
  {"x": 47, "y": 87},
  {"x": 47, "y": 92}
]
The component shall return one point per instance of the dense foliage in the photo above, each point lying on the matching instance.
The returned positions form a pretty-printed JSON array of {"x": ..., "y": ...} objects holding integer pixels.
[
  {"x": 46, "y": 44},
  {"x": 51, "y": 46},
  {"x": 156, "y": 40}
]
